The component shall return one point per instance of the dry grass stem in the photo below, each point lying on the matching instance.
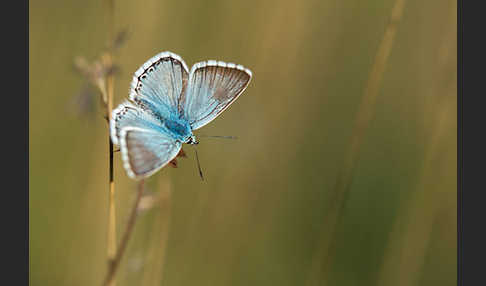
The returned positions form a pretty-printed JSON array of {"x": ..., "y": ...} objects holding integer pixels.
[
  {"x": 113, "y": 267},
  {"x": 111, "y": 247}
]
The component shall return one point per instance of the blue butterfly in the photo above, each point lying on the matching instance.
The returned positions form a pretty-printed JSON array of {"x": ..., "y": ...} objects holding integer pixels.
[{"x": 166, "y": 104}]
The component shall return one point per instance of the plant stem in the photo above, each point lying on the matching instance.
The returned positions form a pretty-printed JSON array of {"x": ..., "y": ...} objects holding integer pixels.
[
  {"x": 111, "y": 244},
  {"x": 113, "y": 267},
  {"x": 111, "y": 247}
]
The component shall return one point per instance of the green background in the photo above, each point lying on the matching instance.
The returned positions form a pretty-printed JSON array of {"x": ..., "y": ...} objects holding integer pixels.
[{"x": 269, "y": 212}]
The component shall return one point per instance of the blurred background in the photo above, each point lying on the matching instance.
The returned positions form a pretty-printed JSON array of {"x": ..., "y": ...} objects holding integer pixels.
[{"x": 343, "y": 173}]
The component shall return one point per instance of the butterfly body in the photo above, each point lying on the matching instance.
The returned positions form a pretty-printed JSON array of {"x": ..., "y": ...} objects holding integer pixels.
[
  {"x": 179, "y": 129},
  {"x": 166, "y": 104}
]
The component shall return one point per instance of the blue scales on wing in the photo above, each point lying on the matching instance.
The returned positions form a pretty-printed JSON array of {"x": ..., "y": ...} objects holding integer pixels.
[
  {"x": 158, "y": 84},
  {"x": 212, "y": 87},
  {"x": 128, "y": 114}
]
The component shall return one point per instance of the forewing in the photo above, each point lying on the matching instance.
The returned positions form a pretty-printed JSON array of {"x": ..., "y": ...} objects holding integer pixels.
[
  {"x": 212, "y": 87},
  {"x": 128, "y": 114},
  {"x": 159, "y": 83},
  {"x": 145, "y": 151}
]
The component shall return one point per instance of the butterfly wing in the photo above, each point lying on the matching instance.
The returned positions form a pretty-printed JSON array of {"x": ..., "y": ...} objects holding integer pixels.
[
  {"x": 128, "y": 114},
  {"x": 145, "y": 151},
  {"x": 158, "y": 84},
  {"x": 212, "y": 87}
]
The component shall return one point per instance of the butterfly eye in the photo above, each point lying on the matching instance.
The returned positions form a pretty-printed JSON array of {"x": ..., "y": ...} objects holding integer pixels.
[{"x": 192, "y": 140}]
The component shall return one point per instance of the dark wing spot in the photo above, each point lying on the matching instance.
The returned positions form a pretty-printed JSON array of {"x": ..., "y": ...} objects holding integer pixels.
[{"x": 220, "y": 94}]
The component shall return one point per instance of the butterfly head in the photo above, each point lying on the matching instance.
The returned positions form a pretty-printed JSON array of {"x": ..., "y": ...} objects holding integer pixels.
[{"x": 192, "y": 140}]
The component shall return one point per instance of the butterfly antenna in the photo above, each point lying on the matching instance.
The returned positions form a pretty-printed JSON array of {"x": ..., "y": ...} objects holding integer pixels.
[
  {"x": 224, "y": 137},
  {"x": 198, "y": 165}
]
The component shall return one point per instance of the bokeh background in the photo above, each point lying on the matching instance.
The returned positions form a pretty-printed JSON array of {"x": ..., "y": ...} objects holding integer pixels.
[{"x": 309, "y": 194}]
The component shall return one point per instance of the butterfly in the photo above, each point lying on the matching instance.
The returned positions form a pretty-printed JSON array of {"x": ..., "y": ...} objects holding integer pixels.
[{"x": 167, "y": 102}]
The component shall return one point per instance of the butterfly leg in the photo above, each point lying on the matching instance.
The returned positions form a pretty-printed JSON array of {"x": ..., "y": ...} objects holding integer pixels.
[
  {"x": 173, "y": 163},
  {"x": 182, "y": 154}
]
